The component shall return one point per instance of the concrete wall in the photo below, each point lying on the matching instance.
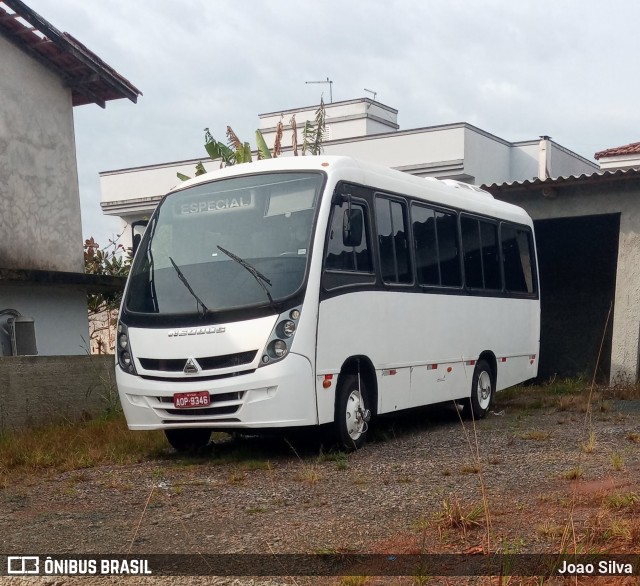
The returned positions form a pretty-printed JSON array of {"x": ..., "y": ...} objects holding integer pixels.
[
  {"x": 343, "y": 120},
  {"x": 60, "y": 317},
  {"x": 486, "y": 158},
  {"x": 37, "y": 391},
  {"x": 563, "y": 163},
  {"x": 40, "y": 225}
]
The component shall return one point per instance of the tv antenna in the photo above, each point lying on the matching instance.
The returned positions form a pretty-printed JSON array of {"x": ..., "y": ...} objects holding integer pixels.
[
  {"x": 372, "y": 92},
  {"x": 330, "y": 87}
]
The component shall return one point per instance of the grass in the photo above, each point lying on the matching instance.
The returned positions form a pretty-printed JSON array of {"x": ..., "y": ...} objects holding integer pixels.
[
  {"x": 589, "y": 445},
  {"x": 536, "y": 435},
  {"x": 353, "y": 580},
  {"x": 456, "y": 515},
  {"x": 549, "y": 530},
  {"x": 107, "y": 441},
  {"x": 470, "y": 469},
  {"x": 634, "y": 437},
  {"x": 622, "y": 501},
  {"x": 74, "y": 446},
  {"x": 617, "y": 461},
  {"x": 574, "y": 473},
  {"x": 568, "y": 394}
]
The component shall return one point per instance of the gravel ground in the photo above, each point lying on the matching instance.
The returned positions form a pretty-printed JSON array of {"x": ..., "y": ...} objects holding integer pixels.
[{"x": 255, "y": 495}]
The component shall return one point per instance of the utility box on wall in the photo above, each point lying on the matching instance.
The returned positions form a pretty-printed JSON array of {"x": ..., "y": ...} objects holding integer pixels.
[{"x": 22, "y": 332}]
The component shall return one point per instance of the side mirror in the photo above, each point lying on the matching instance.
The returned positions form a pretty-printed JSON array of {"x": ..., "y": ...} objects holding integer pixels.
[
  {"x": 352, "y": 223},
  {"x": 137, "y": 231}
]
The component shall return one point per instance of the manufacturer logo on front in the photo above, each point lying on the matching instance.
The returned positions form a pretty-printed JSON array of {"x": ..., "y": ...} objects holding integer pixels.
[
  {"x": 196, "y": 331},
  {"x": 191, "y": 367}
]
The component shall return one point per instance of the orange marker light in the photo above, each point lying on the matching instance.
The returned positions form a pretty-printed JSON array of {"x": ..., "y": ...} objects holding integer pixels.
[{"x": 326, "y": 383}]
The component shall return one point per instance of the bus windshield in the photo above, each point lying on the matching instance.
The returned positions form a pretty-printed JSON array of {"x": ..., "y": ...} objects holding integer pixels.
[{"x": 225, "y": 244}]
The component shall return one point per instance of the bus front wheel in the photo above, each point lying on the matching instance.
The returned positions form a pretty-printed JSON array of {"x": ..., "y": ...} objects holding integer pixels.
[
  {"x": 352, "y": 414},
  {"x": 478, "y": 404},
  {"x": 188, "y": 440}
]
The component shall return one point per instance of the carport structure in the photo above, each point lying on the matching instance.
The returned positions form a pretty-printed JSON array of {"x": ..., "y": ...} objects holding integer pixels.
[{"x": 588, "y": 238}]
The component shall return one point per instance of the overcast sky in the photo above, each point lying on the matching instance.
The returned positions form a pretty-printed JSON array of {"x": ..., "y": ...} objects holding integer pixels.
[{"x": 516, "y": 69}]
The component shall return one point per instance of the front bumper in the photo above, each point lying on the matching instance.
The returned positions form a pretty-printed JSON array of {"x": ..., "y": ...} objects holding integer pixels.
[{"x": 278, "y": 395}]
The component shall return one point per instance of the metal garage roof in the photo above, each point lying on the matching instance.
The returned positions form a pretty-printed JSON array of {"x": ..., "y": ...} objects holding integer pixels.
[{"x": 598, "y": 176}]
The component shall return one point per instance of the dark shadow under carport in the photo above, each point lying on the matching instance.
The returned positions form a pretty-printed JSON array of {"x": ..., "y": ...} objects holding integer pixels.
[{"x": 578, "y": 260}]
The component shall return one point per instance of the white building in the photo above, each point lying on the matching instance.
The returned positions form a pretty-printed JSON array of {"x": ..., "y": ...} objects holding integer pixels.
[{"x": 367, "y": 130}]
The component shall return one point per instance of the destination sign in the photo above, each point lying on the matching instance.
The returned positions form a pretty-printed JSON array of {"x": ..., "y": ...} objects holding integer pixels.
[{"x": 223, "y": 204}]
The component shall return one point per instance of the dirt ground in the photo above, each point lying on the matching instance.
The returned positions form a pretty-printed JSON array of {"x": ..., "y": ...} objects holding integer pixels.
[{"x": 520, "y": 481}]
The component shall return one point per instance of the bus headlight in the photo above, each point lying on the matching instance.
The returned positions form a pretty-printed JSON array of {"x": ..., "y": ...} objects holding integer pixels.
[
  {"x": 281, "y": 338},
  {"x": 278, "y": 348},
  {"x": 123, "y": 350},
  {"x": 287, "y": 328}
]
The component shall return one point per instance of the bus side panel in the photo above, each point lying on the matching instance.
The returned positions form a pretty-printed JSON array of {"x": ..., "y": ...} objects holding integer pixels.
[{"x": 424, "y": 345}]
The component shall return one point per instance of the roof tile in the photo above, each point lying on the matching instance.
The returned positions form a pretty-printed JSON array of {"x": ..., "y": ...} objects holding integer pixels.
[{"x": 628, "y": 149}]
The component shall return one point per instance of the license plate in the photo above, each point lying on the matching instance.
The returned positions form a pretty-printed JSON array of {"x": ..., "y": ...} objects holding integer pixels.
[{"x": 189, "y": 400}]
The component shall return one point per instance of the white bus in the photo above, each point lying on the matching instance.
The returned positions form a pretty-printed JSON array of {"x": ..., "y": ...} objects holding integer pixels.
[{"x": 305, "y": 291}]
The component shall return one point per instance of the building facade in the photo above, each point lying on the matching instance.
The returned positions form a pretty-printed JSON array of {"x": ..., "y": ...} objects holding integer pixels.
[
  {"x": 366, "y": 130},
  {"x": 41, "y": 255}
]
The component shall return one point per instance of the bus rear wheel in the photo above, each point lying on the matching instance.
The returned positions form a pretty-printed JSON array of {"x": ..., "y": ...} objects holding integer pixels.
[
  {"x": 352, "y": 414},
  {"x": 482, "y": 391},
  {"x": 188, "y": 440}
]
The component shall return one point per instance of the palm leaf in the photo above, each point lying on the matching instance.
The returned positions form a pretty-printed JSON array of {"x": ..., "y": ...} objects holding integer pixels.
[
  {"x": 277, "y": 143},
  {"x": 245, "y": 152},
  {"x": 183, "y": 177},
  {"x": 294, "y": 135},
  {"x": 307, "y": 136},
  {"x": 200, "y": 170},
  {"x": 263, "y": 149},
  {"x": 234, "y": 142}
]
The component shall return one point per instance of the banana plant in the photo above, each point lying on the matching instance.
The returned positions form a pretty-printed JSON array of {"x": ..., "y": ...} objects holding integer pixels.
[
  {"x": 236, "y": 152},
  {"x": 313, "y": 132}
]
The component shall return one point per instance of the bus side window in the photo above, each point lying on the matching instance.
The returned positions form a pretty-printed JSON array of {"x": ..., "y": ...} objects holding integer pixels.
[
  {"x": 341, "y": 257},
  {"x": 472, "y": 252},
  {"x": 448, "y": 249},
  {"x": 436, "y": 245},
  {"x": 516, "y": 258},
  {"x": 392, "y": 225},
  {"x": 481, "y": 254},
  {"x": 426, "y": 245}
]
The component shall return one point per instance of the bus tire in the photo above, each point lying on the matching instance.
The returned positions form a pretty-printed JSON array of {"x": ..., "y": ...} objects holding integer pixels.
[
  {"x": 188, "y": 440},
  {"x": 352, "y": 413},
  {"x": 482, "y": 391}
]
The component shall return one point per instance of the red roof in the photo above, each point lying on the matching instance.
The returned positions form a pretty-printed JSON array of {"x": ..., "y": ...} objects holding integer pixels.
[
  {"x": 90, "y": 79},
  {"x": 628, "y": 149}
]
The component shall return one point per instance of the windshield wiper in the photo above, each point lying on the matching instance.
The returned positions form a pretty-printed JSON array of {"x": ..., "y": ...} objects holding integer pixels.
[
  {"x": 181, "y": 276},
  {"x": 257, "y": 275}
]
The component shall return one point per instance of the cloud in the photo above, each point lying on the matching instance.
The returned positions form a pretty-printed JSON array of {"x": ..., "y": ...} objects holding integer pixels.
[{"x": 516, "y": 69}]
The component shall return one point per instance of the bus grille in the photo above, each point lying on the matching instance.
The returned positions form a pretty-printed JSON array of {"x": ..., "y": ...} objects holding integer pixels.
[{"x": 206, "y": 363}]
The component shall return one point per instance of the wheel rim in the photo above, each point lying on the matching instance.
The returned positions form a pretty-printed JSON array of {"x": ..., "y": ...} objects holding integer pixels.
[
  {"x": 483, "y": 390},
  {"x": 353, "y": 415}
]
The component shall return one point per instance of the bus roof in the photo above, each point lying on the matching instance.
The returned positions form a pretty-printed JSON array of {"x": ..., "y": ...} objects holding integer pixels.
[{"x": 448, "y": 193}]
